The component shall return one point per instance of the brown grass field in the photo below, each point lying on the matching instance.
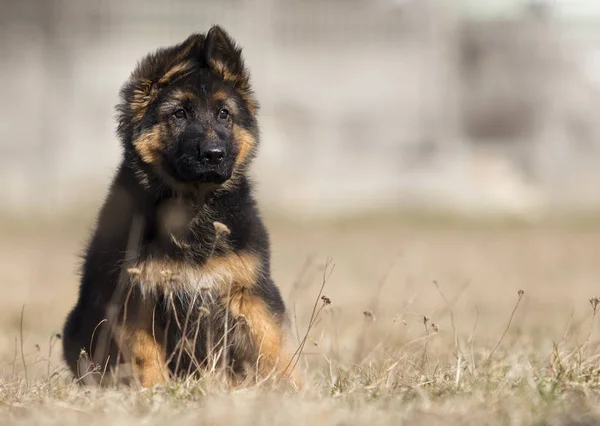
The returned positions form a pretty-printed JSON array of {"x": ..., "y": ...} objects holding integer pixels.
[{"x": 429, "y": 323}]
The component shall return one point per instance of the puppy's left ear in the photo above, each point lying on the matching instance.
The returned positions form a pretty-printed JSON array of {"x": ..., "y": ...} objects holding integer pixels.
[{"x": 224, "y": 58}]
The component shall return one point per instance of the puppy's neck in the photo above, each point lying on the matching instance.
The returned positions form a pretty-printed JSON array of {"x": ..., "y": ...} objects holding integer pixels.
[{"x": 174, "y": 217}]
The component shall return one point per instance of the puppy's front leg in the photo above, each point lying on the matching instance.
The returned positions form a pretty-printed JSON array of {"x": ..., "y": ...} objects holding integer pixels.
[{"x": 141, "y": 344}]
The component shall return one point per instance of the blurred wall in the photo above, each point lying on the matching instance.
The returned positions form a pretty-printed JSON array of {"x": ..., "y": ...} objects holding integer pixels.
[{"x": 366, "y": 105}]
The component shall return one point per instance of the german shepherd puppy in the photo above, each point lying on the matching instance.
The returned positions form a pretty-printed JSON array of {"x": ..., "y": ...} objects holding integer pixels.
[{"x": 176, "y": 277}]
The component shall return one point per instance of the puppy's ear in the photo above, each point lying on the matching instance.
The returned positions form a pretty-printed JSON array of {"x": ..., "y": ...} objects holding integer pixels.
[
  {"x": 224, "y": 58},
  {"x": 153, "y": 72}
]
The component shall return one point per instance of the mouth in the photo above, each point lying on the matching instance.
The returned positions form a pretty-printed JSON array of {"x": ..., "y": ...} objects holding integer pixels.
[
  {"x": 190, "y": 170},
  {"x": 214, "y": 177}
]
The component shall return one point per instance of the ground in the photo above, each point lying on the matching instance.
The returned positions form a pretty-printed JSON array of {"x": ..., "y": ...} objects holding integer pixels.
[{"x": 429, "y": 323}]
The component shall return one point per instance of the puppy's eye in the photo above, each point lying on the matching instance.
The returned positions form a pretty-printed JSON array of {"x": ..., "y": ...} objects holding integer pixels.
[
  {"x": 223, "y": 114},
  {"x": 180, "y": 113}
]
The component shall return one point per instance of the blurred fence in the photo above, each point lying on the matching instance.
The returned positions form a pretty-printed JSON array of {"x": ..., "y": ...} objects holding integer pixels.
[{"x": 365, "y": 104}]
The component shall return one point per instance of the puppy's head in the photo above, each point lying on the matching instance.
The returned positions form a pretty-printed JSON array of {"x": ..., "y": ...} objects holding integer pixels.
[{"x": 188, "y": 115}]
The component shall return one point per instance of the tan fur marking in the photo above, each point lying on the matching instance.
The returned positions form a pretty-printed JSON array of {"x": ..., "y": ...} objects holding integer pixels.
[
  {"x": 246, "y": 143},
  {"x": 141, "y": 348},
  {"x": 251, "y": 103},
  {"x": 142, "y": 96},
  {"x": 181, "y": 67},
  {"x": 240, "y": 81},
  {"x": 267, "y": 335},
  {"x": 149, "y": 145},
  {"x": 177, "y": 98},
  {"x": 220, "y": 68},
  {"x": 219, "y": 96},
  {"x": 180, "y": 95},
  {"x": 244, "y": 268},
  {"x": 146, "y": 90},
  {"x": 165, "y": 276}
]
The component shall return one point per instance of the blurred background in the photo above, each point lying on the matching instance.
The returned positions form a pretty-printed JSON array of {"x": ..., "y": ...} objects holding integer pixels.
[
  {"x": 463, "y": 106},
  {"x": 379, "y": 109}
]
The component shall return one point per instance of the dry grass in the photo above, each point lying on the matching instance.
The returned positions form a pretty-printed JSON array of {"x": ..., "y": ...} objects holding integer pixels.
[{"x": 417, "y": 325}]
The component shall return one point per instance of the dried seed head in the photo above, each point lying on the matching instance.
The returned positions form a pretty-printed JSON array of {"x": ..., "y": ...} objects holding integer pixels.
[
  {"x": 521, "y": 293},
  {"x": 594, "y": 302},
  {"x": 369, "y": 315},
  {"x": 221, "y": 228},
  {"x": 326, "y": 300},
  {"x": 435, "y": 327},
  {"x": 425, "y": 319},
  {"x": 398, "y": 318},
  {"x": 58, "y": 336},
  {"x": 204, "y": 310}
]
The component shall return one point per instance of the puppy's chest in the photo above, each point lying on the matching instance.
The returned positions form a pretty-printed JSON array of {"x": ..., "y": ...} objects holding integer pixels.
[
  {"x": 219, "y": 274},
  {"x": 161, "y": 277}
]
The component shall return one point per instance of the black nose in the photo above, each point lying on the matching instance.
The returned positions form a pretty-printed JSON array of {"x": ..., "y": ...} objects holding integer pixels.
[{"x": 212, "y": 156}]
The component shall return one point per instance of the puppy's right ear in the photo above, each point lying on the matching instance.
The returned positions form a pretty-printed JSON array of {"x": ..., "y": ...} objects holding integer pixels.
[
  {"x": 154, "y": 71},
  {"x": 192, "y": 47},
  {"x": 160, "y": 66}
]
